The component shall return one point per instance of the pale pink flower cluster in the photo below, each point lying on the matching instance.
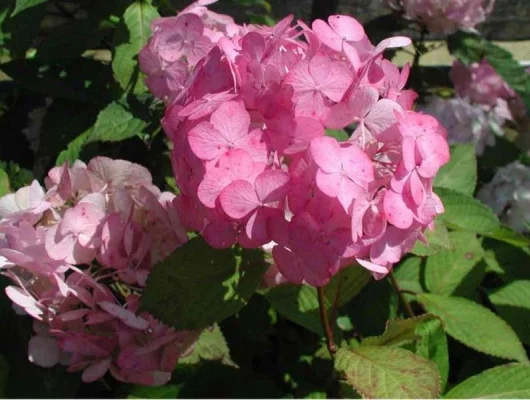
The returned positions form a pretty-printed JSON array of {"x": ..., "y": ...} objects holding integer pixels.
[
  {"x": 79, "y": 254},
  {"x": 481, "y": 84},
  {"x": 508, "y": 194},
  {"x": 466, "y": 122},
  {"x": 483, "y": 104},
  {"x": 445, "y": 16},
  {"x": 250, "y": 153}
]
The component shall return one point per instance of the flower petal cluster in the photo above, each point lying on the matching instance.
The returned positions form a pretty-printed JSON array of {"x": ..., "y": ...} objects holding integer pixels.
[
  {"x": 445, "y": 16},
  {"x": 79, "y": 253},
  {"x": 481, "y": 84},
  {"x": 508, "y": 194},
  {"x": 251, "y": 156}
]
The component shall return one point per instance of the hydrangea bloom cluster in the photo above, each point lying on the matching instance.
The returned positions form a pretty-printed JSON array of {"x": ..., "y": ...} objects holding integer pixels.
[
  {"x": 79, "y": 254},
  {"x": 508, "y": 194},
  {"x": 250, "y": 153},
  {"x": 445, "y": 16},
  {"x": 481, "y": 84},
  {"x": 483, "y": 104}
]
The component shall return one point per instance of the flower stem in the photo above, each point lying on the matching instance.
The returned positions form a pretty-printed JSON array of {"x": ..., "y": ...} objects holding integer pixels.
[
  {"x": 328, "y": 331},
  {"x": 404, "y": 302}
]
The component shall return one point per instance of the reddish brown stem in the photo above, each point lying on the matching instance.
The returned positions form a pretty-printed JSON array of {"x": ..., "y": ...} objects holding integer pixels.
[
  {"x": 328, "y": 331},
  {"x": 404, "y": 302}
]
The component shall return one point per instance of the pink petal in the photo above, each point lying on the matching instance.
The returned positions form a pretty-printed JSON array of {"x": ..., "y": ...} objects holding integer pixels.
[
  {"x": 396, "y": 211},
  {"x": 43, "y": 351},
  {"x": 96, "y": 370},
  {"x": 214, "y": 182},
  {"x": 326, "y": 154},
  {"x": 206, "y": 142},
  {"x": 232, "y": 120},
  {"x": 288, "y": 264},
  {"x": 370, "y": 266},
  {"x": 357, "y": 165},
  {"x": 330, "y": 184},
  {"x": 256, "y": 227},
  {"x": 327, "y": 35},
  {"x": 346, "y": 27},
  {"x": 239, "y": 199},
  {"x": 220, "y": 234},
  {"x": 382, "y": 116},
  {"x": 272, "y": 186},
  {"x": 124, "y": 315}
]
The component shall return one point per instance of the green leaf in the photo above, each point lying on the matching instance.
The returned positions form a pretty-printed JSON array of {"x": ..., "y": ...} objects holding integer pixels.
[
  {"x": 197, "y": 286},
  {"x": 432, "y": 345},
  {"x": 512, "y": 302},
  {"x": 373, "y": 307},
  {"x": 4, "y": 183},
  {"x": 409, "y": 273},
  {"x": 156, "y": 392},
  {"x": 437, "y": 240},
  {"x": 339, "y": 134},
  {"x": 475, "y": 326},
  {"x": 510, "y": 381},
  {"x": 73, "y": 150},
  {"x": 17, "y": 176},
  {"x": 22, "y": 5},
  {"x": 460, "y": 173},
  {"x": 388, "y": 372},
  {"x": 115, "y": 123},
  {"x": 466, "y": 213},
  {"x": 456, "y": 271},
  {"x": 507, "y": 235},
  {"x": 299, "y": 303},
  {"x": 398, "y": 332},
  {"x": 508, "y": 261},
  {"x": 211, "y": 346},
  {"x": 137, "y": 18},
  {"x": 347, "y": 284}
]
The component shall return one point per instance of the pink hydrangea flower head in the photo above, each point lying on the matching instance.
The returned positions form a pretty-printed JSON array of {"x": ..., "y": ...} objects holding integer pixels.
[
  {"x": 446, "y": 16},
  {"x": 71, "y": 254},
  {"x": 251, "y": 155}
]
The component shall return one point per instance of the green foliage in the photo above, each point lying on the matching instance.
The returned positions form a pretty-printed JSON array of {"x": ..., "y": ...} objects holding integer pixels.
[
  {"x": 457, "y": 271},
  {"x": 388, "y": 372},
  {"x": 432, "y": 345},
  {"x": 475, "y": 326},
  {"x": 466, "y": 213},
  {"x": 137, "y": 19},
  {"x": 197, "y": 286},
  {"x": 512, "y": 302},
  {"x": 398, "y": 332},
  {"x": 437, "y": 240},
  {"x": 4, "y": 183},
  {"x": 22, "y": 5},
  {"x": 460, "y": 174},
  {"x": 510, "y": 381},
  {"x": 211, "y": 346},
  {"x": 300, "y": 303}
]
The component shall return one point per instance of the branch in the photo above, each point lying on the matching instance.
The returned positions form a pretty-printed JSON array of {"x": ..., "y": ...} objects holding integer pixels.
[
  {"x": 404, "y": 302},
  {"x": 328, "y": 331}
]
